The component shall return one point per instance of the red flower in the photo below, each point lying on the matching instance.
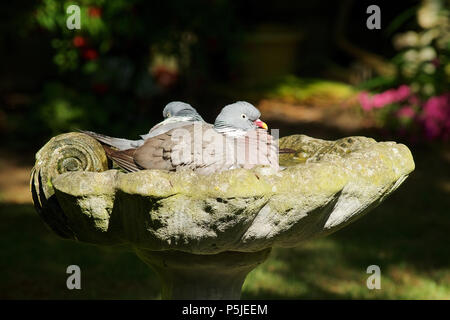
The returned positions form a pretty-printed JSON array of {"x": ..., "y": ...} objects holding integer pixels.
[
  {"x": 79, "y": 41},
  {"x": 95, "y": 12},
  {"x": 100, "y": 88},
  {"x": 90, "y": 54},
  {"x": 165, "y": 77}
]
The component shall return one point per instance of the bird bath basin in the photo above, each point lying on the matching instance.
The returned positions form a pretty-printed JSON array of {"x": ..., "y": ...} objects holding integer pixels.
[{"x": 204, "y": 234}]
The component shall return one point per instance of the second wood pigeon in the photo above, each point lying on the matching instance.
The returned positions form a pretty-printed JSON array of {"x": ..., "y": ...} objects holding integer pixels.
[{"x": 176, "y": 114}]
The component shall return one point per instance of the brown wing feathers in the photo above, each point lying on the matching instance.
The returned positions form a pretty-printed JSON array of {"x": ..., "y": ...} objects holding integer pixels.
[
  {"x": 155, "y": 153},
  {"x": 160, "y": 153},
  {"x": 123, "y": 159}
]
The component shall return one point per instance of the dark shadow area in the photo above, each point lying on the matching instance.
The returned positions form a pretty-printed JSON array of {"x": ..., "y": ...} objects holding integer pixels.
[
  {"x": 34, "y": 263},
  {"x": 406, "y": 233}
]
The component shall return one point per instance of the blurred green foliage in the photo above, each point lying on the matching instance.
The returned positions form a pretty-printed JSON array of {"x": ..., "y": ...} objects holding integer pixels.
[
  {"x": 296, "y": 89},
  {"x": 416, "y": 101},
  {"x": 117, "y": 72},
  {"x": 130, "y": 58},
  {"x": 423, "y": 52}
]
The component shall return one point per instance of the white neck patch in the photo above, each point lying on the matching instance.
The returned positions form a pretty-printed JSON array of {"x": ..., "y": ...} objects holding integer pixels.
[
  {"x": 232, "y": 132},
  {"x": 176, "y": 119}
]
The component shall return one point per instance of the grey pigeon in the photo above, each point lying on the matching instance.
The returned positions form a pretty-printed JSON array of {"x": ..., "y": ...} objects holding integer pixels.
[
  {"x": 238, "y": 139},
  {"x": 176, "y": 114}
]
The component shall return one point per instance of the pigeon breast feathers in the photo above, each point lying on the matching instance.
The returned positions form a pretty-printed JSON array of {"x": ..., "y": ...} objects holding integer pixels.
[{"x": 206, "y": 151}]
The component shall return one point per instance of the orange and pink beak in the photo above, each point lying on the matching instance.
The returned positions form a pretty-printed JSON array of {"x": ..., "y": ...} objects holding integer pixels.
[{"x": 261, "y": 124}]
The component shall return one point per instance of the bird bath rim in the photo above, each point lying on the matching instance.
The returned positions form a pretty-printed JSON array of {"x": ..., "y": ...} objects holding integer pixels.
[{"x": 202, "y": 217}]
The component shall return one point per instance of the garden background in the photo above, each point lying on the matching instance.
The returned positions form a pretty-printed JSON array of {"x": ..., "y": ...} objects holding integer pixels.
[{"x": 311, "y": 67}]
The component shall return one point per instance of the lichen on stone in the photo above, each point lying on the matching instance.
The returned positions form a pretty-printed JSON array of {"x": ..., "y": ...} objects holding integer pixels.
[{"x": 325, "y": 186}]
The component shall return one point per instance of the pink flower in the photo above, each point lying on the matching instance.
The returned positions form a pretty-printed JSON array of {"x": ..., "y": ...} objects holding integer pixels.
[
  {"x": 406, "y": 112},
  {"x": 436, "y": 108},
  {"x": 436, "y": 116},
  {"x": 380, "y": 100},
  {"x": 365, "y": 101},
  {"x": 435, "y": 62},
  {"x": 432, "y": 130},
  {"x": 413, "y": 100},
  {"x": 403, "y": 92}
]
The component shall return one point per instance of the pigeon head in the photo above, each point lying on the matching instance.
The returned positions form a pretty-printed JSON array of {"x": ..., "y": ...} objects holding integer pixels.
[
  {"x": 180, "y": 109},
  {"x": 239, "y": 116}
]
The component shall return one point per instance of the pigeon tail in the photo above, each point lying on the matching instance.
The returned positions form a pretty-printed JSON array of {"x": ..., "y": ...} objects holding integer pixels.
[
  {"x": 119, "y": 143},
  {"x": 123, "y": 158}
]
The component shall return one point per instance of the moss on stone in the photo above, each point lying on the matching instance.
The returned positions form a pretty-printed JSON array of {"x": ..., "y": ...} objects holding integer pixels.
[{"x": 326, "y": 185}]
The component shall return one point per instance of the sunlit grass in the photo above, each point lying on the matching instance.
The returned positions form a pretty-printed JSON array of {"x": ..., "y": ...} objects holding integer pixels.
[
  {"x": 34, "y": 262},
  {"x": 327, "y": 278},
  {"x": 294, "y": 89}
]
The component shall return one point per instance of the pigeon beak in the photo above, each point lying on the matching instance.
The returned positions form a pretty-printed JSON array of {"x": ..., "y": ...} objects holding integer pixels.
[{"x": 261, "y": 124}]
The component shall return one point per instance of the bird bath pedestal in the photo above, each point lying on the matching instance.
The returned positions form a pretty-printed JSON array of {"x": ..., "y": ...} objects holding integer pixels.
[{"x": 204, "y": 234}]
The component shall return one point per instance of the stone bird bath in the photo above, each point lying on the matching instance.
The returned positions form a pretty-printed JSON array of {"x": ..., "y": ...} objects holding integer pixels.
[{"x": 204, "y": 234}]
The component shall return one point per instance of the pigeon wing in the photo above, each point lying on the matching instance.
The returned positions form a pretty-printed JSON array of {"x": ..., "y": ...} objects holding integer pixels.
[
  {"x": 167, "y": 125},
  {"x": 190, "y": 146},
  {"x": 119, "y": 143}
]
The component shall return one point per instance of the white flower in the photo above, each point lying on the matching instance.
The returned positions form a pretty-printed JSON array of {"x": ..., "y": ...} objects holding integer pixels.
[
  {"x": 429, "y": 68},
  {"x": 426, "y": 37},
  {"x": 411, "y": 55},
  {"x": 428, "y": 89},
  {"x": 427, "y": 54},
  {"x": 407, "y": 39},
  {"x": 428, "y": 14},
  {"x": 409, "y": 70}
]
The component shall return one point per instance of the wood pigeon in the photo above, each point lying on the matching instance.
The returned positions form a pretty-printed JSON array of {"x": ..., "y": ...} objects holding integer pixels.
[
  {"x": 176, "y": 114},
  {"x": 238, "y": 139}
]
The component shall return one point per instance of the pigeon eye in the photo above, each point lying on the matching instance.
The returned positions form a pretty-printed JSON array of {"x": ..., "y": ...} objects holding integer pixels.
[
  {"x": 168, "y": 114},
  {"x": 243, "y": 116}
]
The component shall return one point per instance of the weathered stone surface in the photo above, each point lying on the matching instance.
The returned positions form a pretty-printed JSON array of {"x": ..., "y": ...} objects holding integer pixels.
[
  {"x": 193, "y": 276},
  {"x": 64, "y": 153},
  {"x": 326, "y": 185}
]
